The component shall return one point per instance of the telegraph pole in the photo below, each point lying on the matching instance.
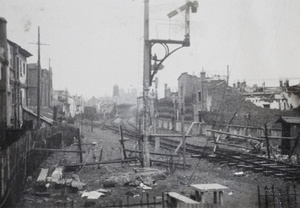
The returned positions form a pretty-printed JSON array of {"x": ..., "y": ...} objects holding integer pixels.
[
  {"x": 146, "y": 84},
  {"x": 38, "y": 80}
]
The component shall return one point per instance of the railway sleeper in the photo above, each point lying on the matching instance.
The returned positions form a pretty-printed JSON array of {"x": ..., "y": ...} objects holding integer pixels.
[
  {"x": 268, "y": 172},
  {"x": 248, "y": 167},
  {"x": 257, "y": 169},
  {"x": 279, "y": 175}
]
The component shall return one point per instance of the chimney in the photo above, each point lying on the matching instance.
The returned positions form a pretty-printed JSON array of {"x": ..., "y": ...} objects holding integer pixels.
[
  {"x": 286, "y": 84},
  {"x": 234, "y": 85},
  {"x": 238, "y": 84},
  {"x": 202, "y": 75},
  {"x": 280, "y": 83},
  {"x": 243, "y": 85},
  {"x": 3, "y": 39},
  {"x": 166, "y": 90}
]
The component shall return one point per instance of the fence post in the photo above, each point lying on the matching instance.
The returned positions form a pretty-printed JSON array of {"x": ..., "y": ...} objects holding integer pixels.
[
  {"x": 127, "y": 200},
  {"x": 266, "y": 195},
  {"x": 258, "y": 194},
  {"x": 163, "y": 199},
  {"x": 154, "y": 201},
  {"x": 280, "y": 197},
  {"x": 288, "y": 196},
  {"x": 147, "y": 195},
  {"x": 79, "y": 144},
  {"x": 295, "y": 195},
  {"x": 141, "y": 202},
  {"x": 273, "y": 191}
]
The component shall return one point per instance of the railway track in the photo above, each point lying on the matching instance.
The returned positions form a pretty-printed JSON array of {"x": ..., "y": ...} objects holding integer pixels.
[{"x": 257, "y": 164}]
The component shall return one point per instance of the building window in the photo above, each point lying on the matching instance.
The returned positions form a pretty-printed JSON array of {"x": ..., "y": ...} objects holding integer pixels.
[
  {"x": 21, "y": 97},
  {"x": 199, "y": 96},
  {"x": 17, "y": 68},
  {"x": 199, "y": 116},
  {"x": 181, "y": 91},
  {"x": 13, "y": 95},
  {"x": 24, "y": 68},
  {"x": 21, "y": 69},
  {"x": 266, "y": 105}
]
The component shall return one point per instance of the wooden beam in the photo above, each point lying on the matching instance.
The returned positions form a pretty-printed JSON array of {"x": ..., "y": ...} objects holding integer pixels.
[
  {"x": 167, "y": 135},
  {"x": 232, "y": 145},
  {"x": 237, "y": 135},
  {"x": 59, "y": 150},
  {"x": 280, "y": 137},
  {"x": 152, "y": 153},
  {"x": 103, "y": 162}
]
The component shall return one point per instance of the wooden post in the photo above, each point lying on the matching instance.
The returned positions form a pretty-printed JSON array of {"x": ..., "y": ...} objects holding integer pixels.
[
  {"x": 122, "y": 141},
  {"x": 267, "y": 141},
  {"x": 266, "y": 196},
  {"x": 157, "y": 144},
  {"x": 183, "y": 141},
  {"x": 79, "y": 145},
  {"x": 258, "y": 194},
  {"x": 92, "y": 123}
]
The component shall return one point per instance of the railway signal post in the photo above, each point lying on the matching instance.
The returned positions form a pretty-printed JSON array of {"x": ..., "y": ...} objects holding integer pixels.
[{"x": 150, "y": 69}]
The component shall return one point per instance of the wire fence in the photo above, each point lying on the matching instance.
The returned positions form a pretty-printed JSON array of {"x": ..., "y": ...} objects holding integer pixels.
[{"x": 273, "y": 197}]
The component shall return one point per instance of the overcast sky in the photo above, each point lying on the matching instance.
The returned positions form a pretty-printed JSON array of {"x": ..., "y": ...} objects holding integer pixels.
[{"x": 95, "y": 44}]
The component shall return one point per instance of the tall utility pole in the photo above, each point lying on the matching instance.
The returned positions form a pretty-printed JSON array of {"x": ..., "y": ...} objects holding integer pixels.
[
  {"x": 149, "y": 73},
  {"x": 146, "y": 83},
  {"x": 38, "y": 81}
]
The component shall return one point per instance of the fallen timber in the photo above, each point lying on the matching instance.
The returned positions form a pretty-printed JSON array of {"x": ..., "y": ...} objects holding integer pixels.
[
  {"x": 236, "y": 135},
  {"x": 153, "y": 153},
  {"x": 58, "y": 150},
  {"x": 102, "y": 162}
]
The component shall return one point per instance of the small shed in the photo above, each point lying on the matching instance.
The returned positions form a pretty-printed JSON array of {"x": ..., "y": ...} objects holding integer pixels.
[{"x": 290, "y": 128}]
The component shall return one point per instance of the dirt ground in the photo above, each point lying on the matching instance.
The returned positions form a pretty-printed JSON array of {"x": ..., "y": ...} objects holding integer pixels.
[{"x": 241, "y": 192}]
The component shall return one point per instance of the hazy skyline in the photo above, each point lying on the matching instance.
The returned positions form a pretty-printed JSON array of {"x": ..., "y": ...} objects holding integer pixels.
[{"x": 96, "y": 44}]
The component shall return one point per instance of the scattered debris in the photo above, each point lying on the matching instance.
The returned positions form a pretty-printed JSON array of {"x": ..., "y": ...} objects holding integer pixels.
[
  {"x": 143, "y": 186},
  {"x": 57, "y": 174},
  {"x": 239, "y": 173},
  {"x": 92, "y": 194}
]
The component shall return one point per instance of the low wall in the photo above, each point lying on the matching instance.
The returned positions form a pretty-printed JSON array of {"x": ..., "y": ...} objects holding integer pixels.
[{"x": 201, "y": 129}]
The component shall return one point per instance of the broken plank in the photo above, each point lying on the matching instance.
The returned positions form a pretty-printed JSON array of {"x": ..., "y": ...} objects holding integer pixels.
[
  {"x": 102, "y": 162},
  {"x": 57, "y": 174},
  {"x": 236, "y": 135},
  {"x": 152, "y": 153},
  {"x": 43, "y": 175},
  {"x": 167, "y": 135},
  {"x": 58, "y": 150}
]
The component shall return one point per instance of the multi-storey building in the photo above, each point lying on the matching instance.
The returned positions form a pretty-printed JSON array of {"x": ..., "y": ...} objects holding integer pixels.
[
  {"x": 3, "y": 84},
  {"x": 196, "y": 94},
  {"x": 17, "y": 86},
  {"x": 46, "y": 87}
]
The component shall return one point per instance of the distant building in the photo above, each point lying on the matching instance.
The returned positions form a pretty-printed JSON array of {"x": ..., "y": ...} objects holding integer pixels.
[
  {"x": 17, "y": 86},
  {"x": 282, "y": 97},
  {"x": 46, "y": 90},
  {"x": 120, "y": 96},
  {"x": 292, "y": 97},
  {"x": 64, "y": 102},
  {"x": 195, "y": 96}
]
